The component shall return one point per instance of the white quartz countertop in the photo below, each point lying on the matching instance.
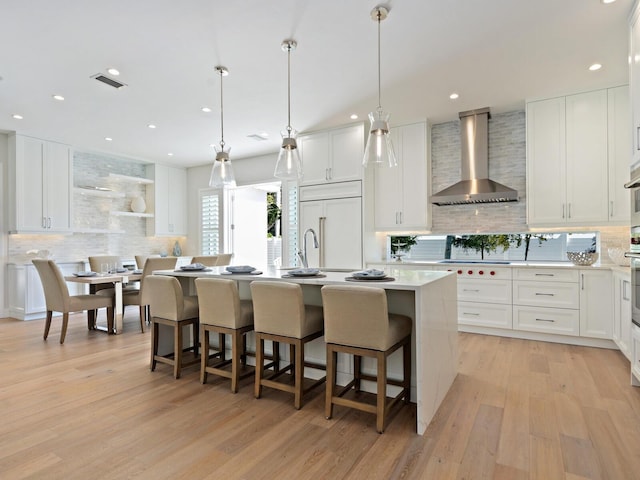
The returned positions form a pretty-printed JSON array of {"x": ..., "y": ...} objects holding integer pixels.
[
  {"x": 402, "y": 279},
  {"x": 514, "y": 264}
]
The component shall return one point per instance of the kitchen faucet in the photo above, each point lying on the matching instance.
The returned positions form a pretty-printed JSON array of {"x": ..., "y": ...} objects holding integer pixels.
[{"x": 302, "y": 254}]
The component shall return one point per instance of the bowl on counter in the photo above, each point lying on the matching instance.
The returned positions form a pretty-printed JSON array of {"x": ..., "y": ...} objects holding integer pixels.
[{"x": 582, "y": 258}]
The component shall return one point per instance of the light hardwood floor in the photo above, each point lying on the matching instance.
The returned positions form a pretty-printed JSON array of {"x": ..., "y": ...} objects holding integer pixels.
[{"x": 91, "y": 409}]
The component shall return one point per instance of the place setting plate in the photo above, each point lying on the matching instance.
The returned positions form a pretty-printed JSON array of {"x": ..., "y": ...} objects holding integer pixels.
[
  {"x": 304, "y": 273},
  {"x": 371, "y": 275},
  {"x": 85, "y": 274},
  {"x": 240, "y": 270},
  {"x": 193, "y": 267}
]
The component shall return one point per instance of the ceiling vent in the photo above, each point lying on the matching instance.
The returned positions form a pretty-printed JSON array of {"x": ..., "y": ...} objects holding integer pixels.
[{"x": 108, "y": 81}]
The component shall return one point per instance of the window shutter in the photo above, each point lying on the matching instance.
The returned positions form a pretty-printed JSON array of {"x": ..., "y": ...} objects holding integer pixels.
[{"x": 210, "y": 224}]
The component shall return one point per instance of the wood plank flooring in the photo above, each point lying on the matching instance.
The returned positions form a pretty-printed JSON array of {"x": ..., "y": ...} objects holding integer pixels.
[{"x": 518, "y": 410}]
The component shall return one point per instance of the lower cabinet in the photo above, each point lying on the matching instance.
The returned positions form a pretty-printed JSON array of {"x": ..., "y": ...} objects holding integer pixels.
[
  {"x": 635, "y": 355},
  {"x": 622, "y": 311},
  {"x": 596, "y": 304},
  {"x": 26, "y": 296},
  {"x": 563, "y": 321}
]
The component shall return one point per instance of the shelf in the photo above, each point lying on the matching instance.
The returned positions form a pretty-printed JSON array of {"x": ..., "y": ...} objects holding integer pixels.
[
  {"x": 128, "y": 178},
  {"x": 132, "y": 214},
  {"x": 94, "y": 192}
]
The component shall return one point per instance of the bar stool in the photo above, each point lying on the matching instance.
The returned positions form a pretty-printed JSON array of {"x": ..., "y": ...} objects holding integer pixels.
[
  {"x": 168, "y": 306},
  {"x": 222, "y": 312},
  {"x": 280, "y": 315},
  {"x": 357, "y": 322}
]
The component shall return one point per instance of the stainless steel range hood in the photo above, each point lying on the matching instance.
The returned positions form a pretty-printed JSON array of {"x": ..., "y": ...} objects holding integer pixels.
[{"x": 475, "y": 186}]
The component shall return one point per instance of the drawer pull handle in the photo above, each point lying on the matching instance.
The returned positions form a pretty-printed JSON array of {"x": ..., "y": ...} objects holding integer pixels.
[
  {"x": 546, "y": 294},
  {"x": 471, "y": 313},
  {"x": 469, "y": 290},
  {"x": 544, "y": 275},
  {"x": 545, "y": 320}
]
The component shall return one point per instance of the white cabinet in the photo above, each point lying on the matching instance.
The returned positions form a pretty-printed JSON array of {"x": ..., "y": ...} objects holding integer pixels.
[
  {"x": 40, "y": 180},
  {"x": 336, "y": 217},
  {"x": 167, "y": 198},
  {"x": 635, "y": 355},
  {"x": 634, "y": 76},
  {"x": 401, "y": 193},
  {"x": 619, "y": 145},
  {"x": 622, "y": 311},
  {"x": 25, "y": 292},
  {"x": 333, "y": 155},
  {"x": 546, "y": 301},
  {"x": 596, "y": 304},
  {"x": 569, "y": 140}
]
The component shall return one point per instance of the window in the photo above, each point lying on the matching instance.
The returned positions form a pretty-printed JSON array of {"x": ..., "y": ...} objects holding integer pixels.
[
  {"x": 210, "y": 224},
  {"x": 547, "y": 247},
  {"x": 290, "y": 222}
]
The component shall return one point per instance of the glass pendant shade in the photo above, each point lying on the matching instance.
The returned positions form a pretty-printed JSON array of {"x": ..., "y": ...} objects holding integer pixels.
[
  {"x": 379, "y": 150},
  {"x": 222, "y": 171},
  {"x": 288, "y": 166}
]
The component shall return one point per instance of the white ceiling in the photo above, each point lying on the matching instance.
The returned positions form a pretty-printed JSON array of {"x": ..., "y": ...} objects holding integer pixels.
[{"x": 493, "y": 53}]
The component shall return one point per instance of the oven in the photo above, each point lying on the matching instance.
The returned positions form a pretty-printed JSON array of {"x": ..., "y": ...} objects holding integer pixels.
[
  {"x": 634, "y": 190},
  {"x": 634, "y": 256}
]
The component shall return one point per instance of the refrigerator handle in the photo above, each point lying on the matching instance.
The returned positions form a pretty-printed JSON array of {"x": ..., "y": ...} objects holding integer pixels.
[{"x": 321, "y": 221}]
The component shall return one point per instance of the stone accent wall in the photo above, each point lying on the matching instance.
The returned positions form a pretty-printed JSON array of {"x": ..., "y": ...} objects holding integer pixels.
[{"x": 124, "y": 236}]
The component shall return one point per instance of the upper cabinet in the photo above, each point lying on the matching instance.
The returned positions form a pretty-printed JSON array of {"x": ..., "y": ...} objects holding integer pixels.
[
  {"x": 401, "y": 192},
  {"x": 332, "y": 155},
  {"x": 574, "y": 153},
  {"x": 40, "y": 180},
  {"x": 167, "y": 198},
  {"x": 634, "y": 76}
]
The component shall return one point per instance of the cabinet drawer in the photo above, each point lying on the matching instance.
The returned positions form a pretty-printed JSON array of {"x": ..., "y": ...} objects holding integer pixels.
[
  {"x": 546, "y": 294},
  {"x": 484, "y": 291},
  {"x": 546, "y": 320},
  {"x": 547, "y": 274},
  {"x": 485, "y": 314}
]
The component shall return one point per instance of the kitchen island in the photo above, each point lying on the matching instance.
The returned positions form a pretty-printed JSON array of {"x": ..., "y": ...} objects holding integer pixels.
[{"x": 428, "y": 297}]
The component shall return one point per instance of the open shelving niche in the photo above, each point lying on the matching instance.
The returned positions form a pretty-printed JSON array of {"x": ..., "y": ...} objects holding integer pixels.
[{"x": 101, "y": 192}]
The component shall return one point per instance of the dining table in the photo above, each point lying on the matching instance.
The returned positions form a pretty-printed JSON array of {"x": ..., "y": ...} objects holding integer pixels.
[
  {"x": 429, "y": 298},
  {"x": 117, "y": 280}
]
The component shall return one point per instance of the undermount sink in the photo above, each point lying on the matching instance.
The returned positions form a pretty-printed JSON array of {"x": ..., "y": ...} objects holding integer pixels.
[{"x": 495, "y": 262}]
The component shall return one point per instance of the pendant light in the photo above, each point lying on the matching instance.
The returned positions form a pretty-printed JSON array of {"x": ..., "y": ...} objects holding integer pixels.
[
  {"x": 379, "y": 150},
  {"x": 288, "y": 166},
  {"x": 222, "y": 171}
]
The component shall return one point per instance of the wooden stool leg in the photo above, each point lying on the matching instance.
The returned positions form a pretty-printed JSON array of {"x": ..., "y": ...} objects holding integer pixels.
[
  {"x": 357, "y": 371},
  {"x": 154, "y": 344},
  {"x": 406, "y": 366},
  {"x": 196, "y": 338},
  {"x": 47, "y": 324},
  {"x": 110, "y": 319},
  {"x": 292, "y": 359},
  {"x": 177, "y": 350},
  {"x": 298, "y": 363},
  {"x": 65, "y": 322},
  {"x": 236, "y": 340},
  {"x": 91, "y": 319},
  {"x": 204, "y": 353},
  {"x": 259, "y": 365},
  {"x": 243, "y": 356},
  {"x": 223, "y": 351},
  {"x": 276, "y": 356},
  {"x": 381, "y": 403},
  {"x": 331, "y": 382}
]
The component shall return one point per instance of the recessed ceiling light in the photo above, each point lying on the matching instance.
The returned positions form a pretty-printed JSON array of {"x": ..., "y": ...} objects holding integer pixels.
[
  {"x": 108, "y": 139},
  {"x": 17, "y": 116},
  {"x": 454, "y": 96},
  {"x": 151, "y": 125},
  {"x": 170, "y": 154},
  {"x": 58, "y": 97},
  {"x": 607, "y": 1},
  {"x": 595, "y": 66},
  {"x": 353, "y": 116},
  {"x": 113, "y": 71},
  {"x": 206, "y": 109}
]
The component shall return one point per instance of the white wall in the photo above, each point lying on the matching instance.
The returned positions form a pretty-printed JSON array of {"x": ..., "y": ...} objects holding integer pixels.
[{"x": 4, "y": 158}]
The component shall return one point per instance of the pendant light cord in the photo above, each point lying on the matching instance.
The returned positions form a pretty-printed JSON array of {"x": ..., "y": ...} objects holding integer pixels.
[
  {"x": 221, "y": 114},
  {"x": 379, "y": 87},
  {"x": 289, "y": 90}
]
